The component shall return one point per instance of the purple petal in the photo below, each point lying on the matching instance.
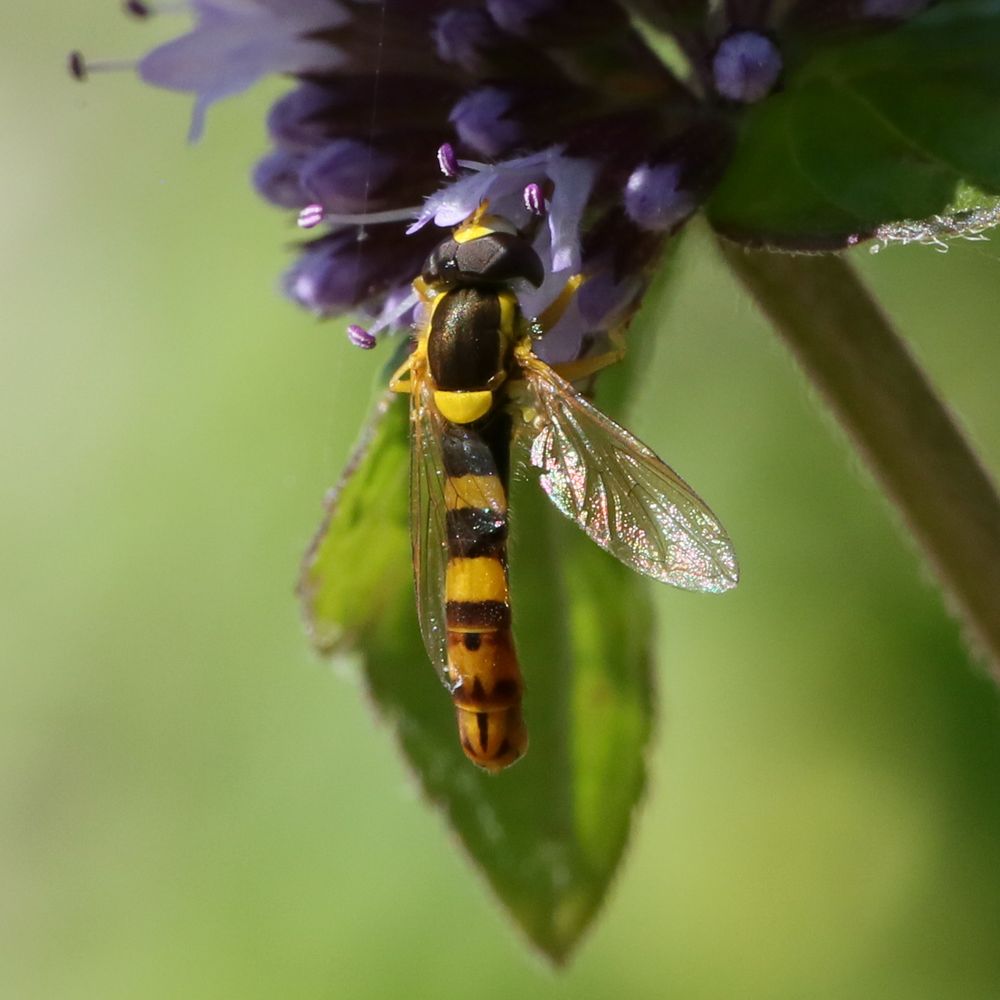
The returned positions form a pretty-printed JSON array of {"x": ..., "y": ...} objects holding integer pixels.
[
  {"x": 572, "y": 181},
  {"x": 480, "y": 118},
  {"x": 236, "y": 42},
  {"x": 462, "y": 34}
]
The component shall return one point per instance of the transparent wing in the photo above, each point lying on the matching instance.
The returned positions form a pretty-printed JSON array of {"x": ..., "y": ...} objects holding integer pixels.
[
  {"x": 428, "y": 522},
  {"x": 621, "y": 494}
]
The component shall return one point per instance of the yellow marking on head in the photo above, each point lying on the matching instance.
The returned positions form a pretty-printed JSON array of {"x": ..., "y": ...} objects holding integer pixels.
[
  {"x": 463, "y": 407},
  {"x": 473, "y": 227},
  {"x": 483, "y": 578},
  {"x": 484, "y": 492},
  {"x": 481, "y": 223},
  {"x": 471, "y": 231}
]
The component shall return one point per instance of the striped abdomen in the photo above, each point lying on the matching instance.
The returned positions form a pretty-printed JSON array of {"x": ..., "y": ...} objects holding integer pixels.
[{"x": 483, "y": 670}]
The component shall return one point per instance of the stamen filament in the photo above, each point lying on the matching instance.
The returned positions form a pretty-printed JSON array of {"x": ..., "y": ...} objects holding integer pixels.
[
  {"x": 369, "y": 218},
  {"x": 80, "y": 67}
]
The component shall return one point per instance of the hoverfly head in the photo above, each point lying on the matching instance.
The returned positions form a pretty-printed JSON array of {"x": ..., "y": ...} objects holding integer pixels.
[{"x": 490, "y": 258}]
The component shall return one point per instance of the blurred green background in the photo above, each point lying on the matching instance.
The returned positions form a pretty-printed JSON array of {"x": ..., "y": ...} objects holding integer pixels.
[{"x": 193, "y": 806}]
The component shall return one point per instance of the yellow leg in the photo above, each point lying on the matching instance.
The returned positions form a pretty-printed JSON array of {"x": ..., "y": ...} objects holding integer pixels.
[
  {"x": 396, "y": 383},
  {"x": 573, "y": 371},
  {"x": 555, "y": 310}
]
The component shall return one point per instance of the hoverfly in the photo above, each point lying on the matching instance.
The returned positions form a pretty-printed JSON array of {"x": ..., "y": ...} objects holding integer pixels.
[{"x": 475, "y": 382}]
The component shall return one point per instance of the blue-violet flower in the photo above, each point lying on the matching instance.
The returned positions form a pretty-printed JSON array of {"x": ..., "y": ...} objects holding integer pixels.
[{"x": 404, "y": 115}]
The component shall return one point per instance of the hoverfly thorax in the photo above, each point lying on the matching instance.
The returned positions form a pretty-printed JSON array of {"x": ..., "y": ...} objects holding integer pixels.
[{"x": 475, "y": 319}]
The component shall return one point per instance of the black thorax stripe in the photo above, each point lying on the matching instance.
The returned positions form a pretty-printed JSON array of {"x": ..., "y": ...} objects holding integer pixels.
[{"x": 464, "y": 344}]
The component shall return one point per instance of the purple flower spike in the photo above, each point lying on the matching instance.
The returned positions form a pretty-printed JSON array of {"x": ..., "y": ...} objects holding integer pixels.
[
  {"x": 447, "y": 160},
  {"x": 655, "y": 198},
  {"x": 534, "y": 199},
  {"x": 746, "y": 66},
  {"x": 360, "y": 337},
  {"x": 311, "y": 216}
]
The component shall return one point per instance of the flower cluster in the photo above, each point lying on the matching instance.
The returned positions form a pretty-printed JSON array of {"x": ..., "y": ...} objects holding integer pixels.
[{"x": 562, "y": 109}]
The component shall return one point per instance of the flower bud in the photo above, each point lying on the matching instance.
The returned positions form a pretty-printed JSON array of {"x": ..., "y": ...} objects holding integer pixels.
[
  {"x": 346, "y": 270},
  {"x": 276, "y": 179},
  {"x": 746, "y": 66},
  {"x": 655, "y": 198},
  {"x": 482, "y": 121}
]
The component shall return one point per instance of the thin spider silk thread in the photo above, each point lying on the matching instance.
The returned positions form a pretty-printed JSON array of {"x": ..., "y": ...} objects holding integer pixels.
[{"x": 379, "y": 55}]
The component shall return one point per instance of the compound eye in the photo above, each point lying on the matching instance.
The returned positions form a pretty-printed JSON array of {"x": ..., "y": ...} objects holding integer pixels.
[{"x": 440, "y": 267}]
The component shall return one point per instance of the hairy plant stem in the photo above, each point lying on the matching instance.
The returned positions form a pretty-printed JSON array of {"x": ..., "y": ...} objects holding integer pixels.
[{"x": 913, "y": 445}]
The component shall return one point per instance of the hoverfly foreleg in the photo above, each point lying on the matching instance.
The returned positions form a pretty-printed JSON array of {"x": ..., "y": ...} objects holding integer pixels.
[
  {"x": 401, "y": 381},
  {"x": 573, "y": 371},
  {"x": 554, "y": 311}
]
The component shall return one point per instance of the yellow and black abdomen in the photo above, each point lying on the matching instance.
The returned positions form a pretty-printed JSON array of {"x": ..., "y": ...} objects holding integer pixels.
[
  {"x": 466, "y": 349},
  {"x": 482, "y": 663}
]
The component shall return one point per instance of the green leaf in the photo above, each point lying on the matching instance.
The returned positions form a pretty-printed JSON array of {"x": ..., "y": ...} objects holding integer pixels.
[
  {"x": 869, "y": 130},
  {"x": 549, "y": 833},
  {"x": 359, "y": 558}
]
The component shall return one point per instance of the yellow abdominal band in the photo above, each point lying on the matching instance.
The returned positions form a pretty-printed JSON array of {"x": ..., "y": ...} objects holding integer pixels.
[{"x": 477, "y": 579}]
